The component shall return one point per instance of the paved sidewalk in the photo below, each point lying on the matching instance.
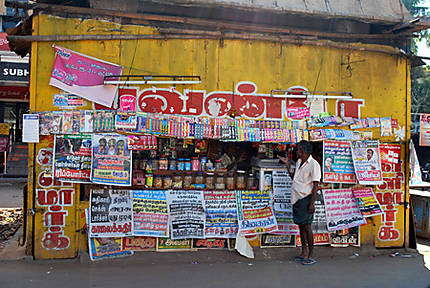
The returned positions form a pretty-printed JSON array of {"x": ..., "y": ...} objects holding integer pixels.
[{"x": 11, "y": 192}]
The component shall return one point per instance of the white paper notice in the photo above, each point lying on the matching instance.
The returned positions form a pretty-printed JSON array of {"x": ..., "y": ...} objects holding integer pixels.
[{"x": 30, "y": 128}]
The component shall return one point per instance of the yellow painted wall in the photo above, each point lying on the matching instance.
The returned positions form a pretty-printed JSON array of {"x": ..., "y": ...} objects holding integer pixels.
[{"x": 380, "y": 79}]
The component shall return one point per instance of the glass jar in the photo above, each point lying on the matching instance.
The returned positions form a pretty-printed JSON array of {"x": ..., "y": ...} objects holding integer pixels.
[
  {"x": 158, "y": 182},
  {"x": 154, "y": 164},
  {"x": 148, "y": 166},
  {"x": 219, "y": 184},
  {"x": 240, "y": 180},
  {"x": 199, "y": 178},
  {"x": 250, "y": 182},
  {"x": 167, "y": 182},
  {"x": 188, "y": 180},
  {"x": 210, "y": 181},
  {"x": 218, "y": 164},
  {"x": 230, "y": 182},
  {"x": 177, "y": 182},
  {"x": 187, "y": 164},
  {"x": 209, "y": 166},
  {"x": 181, "y": 164},
  {"x": 203, "y": 162},
  {"x": 163, "y": 164},
  {"x": 172, "y": 164},
  {"x": 149, "y": 180},
  {"x": 142, "y": 164},
  {"x": 195, "y": 164}
]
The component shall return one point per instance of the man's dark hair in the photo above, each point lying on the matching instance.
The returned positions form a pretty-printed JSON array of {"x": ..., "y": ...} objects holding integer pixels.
[{"x": 306, "y": 146}]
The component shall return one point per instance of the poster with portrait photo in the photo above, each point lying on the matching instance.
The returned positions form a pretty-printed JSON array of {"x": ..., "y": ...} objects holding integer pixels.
[
  {"x": 337, "y": 159},
  {"x": 367, "y": 162},
  {"x": 111, "y": 160}
]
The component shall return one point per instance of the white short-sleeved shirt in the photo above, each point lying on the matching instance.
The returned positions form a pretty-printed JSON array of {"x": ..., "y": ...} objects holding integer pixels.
[{"x": 304, "y": 177}]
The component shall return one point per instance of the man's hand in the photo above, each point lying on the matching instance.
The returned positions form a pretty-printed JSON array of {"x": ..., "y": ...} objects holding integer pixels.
[
  {"x": 311, "y": 208},
  {"x": 285, "y": 160}
]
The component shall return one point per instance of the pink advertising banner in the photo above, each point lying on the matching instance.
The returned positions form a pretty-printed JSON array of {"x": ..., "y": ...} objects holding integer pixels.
[{"x": 84, "y": 75}]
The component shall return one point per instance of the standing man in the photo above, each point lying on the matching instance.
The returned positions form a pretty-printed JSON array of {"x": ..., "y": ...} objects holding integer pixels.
[{"x": 306, "y": 179}]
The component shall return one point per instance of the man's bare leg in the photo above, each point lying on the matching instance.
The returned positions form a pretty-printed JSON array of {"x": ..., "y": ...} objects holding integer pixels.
[
  {"x": 310, "y": 239},
  {"x": 304, "y": 238}
]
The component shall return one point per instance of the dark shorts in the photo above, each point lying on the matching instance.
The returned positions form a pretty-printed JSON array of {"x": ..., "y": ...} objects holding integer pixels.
[{"x": 301, "y": 214}]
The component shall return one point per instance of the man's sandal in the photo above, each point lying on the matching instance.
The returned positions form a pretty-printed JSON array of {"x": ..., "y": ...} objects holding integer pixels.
[
  {"x": 309, "y": 261},
  {"x": 299, "y": 259}
]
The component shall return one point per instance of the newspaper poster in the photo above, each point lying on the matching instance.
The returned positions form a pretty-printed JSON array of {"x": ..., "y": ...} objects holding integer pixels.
[
  {"x": 86, "y": 125},
  {"x": 386, "y": 126},
  {"x": 186, "y": 214},
  {"x": 150, "y": 213},
  {"x": 345, "y": 238},
  {"x": 83, "y": 75},
  {"x": 319, "y": 239},
  {"x": 221, "y": 214},
  {"x": 168, "y": 245},
  {"x": 30, "y": 128},
  {"x": 139, "y": 243},
  {"x": 104, "y": 248},
  {"x": 4, "y": 143},
  {"x": 319, "y": 225},
  {"x": 367, "y": 202},
  {"x": 337, "y": 159},
  {"x": 57, "y": 122},
  {"x": 275, "y": 241},
  {"x": 72, "y": 158},
  {"x": 367, "y": 162},
  {"x": 208, "y": 243},
  {"x": 255, "y": 213},
  {"x": 425, "y": 130},
  {"x": 111, "y": 160},
  {"x": 125, "y": 121},
  {"x": 45, "y": 123},
  {"x": 416, "y": 177},
  {"x": 68, "y": 101},
  {"x": 111, "y": 213},
  {"x": 283, "y": 209},
  {"x": 341, "y": 209}
]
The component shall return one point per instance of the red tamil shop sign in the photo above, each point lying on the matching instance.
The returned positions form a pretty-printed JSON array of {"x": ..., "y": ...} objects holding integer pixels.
[
  {"x": 390, "y": 194},
  {"x": 14, "y": 93},
  {"x": 244, "y": 102},
  {"x": 4, "y": 43}
]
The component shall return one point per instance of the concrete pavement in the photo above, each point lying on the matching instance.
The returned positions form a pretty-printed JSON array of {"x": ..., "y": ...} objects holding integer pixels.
[{"x": 335, "y": 271}]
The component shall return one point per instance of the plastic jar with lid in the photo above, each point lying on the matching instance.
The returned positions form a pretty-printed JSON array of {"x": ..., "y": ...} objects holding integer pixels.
[
  {"x": 210, "y": 181},
  {"x": 250, "y": 182},
  {"x": 177, "y": 181},
  {"x": 218, "y": 164},
  {"x": 149, "y": 180},
  {"x": 158, "y": 182},
  {"x": 188, "y": 180},
  {"x": 230, "y": 182},
  {"x": 203, "y": 161},
  {"x": 167, "y": 182},
  {"x": 220, "y": 184},
  {"x": 240, "y": 180},
  {"x": 173, "y": 164},
  {"x": 154, "y": 164},
  {"x": 199, "y": 178},
  {"x": 195, "y": 164},
  {"x": 163, "y": 164},
  {"x": 181, "y": 165},
  {"x": 187, "y": 164}
]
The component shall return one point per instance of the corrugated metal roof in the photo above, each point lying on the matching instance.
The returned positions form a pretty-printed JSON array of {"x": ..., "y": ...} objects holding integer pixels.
[{"x": 366, "y": 10}]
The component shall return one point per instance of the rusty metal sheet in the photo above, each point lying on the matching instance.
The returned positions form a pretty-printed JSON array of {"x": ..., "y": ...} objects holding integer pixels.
[{"x": 382, "y": 10}]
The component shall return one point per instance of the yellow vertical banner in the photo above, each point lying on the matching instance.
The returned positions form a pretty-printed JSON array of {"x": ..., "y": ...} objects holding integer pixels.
[
  {"x": 390, "y": 226},
  {"x": 55, "y": 208}
]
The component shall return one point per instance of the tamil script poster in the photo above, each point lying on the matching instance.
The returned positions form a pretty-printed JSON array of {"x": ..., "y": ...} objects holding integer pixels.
[
  {"x": 139, "y": 243},
  {"x": 345, "y": 238},
  {"x": 83, "y": 75},
  {"x": 168, "y": 245},
  {"x": 274, "y": 241},
  {"x": 221, "y": 214},
  {"x": 338, "y": 166},
  {"x": 367, "y": 162},
  {"x": 186, "y": 214},
  {"x": 72, "y": 158},
  {"x": 208, "y": 243},
  {"x": 425, "y": 130},
  {"x": 111, "y": 213},
  {"x": 283, "y": 209},
  {"x": 150, "y": 213},
  {"x": 319, "y": 225},
  {"x": 319, "y": 239},
  {"x": 104, "y": 248},
  {"x": 367, "y": 202},
  {"x": 255, "y": 213},
  {"x": 111, "y": 160},
  {"x": 4, "y": 143},
  {"x": 341, "y": 209}
]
